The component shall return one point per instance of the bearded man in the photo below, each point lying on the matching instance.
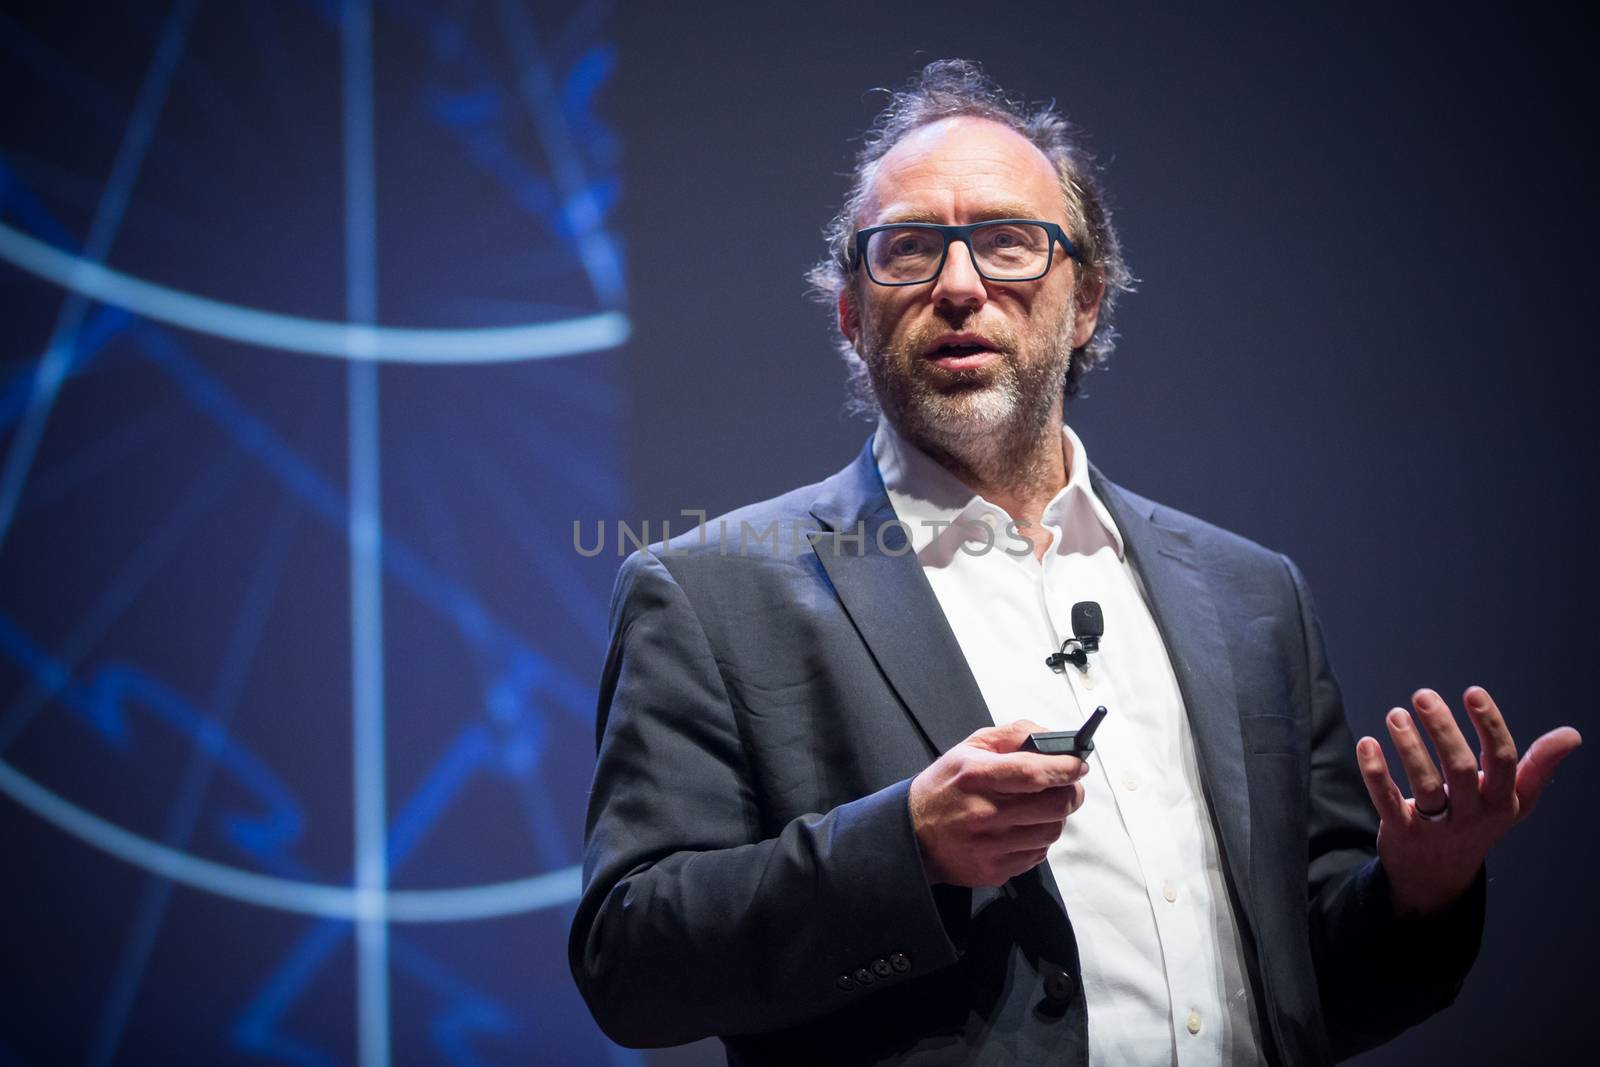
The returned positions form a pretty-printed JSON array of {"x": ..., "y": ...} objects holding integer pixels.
[{"x": 817, "y": 828}]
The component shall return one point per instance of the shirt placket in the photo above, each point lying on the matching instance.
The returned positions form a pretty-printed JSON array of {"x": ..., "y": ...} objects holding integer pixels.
[{"x": 1139, "y": 786}]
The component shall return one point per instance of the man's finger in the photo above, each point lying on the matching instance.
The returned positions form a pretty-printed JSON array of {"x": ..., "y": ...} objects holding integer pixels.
[
  {"x": 1456, "y": 757},
  {"x": 1017, "y": 863},
  {"x": 1007, "y": 738},
  {"x": 1497, "y": 748},
  {"x": 1055, "y": 803},
  {"x": 1026, "y": 772},
  {"x": 1386, "y": 798},
  {"x": 1025, "y": 838},
  {"x": 1427, "y": 786},
  {"x": 1539, "y": 765}
]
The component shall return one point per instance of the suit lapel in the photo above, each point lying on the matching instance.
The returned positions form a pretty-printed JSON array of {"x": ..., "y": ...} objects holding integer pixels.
[
  {"x": 883, "y": 590},
  {"x": 1182, "y": 599}
]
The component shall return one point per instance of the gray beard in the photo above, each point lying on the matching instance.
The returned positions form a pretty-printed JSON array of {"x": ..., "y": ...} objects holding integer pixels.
[{"x": 999, "y": 427}]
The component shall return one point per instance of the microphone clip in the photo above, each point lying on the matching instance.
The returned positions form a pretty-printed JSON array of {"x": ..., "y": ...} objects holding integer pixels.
[{"x": 1074, "y": 650}]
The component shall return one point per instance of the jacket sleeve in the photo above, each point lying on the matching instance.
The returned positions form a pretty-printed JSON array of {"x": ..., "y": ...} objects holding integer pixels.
[
  {"x": 1376, "y": 974},
  {"x": 693, "y": 921}
]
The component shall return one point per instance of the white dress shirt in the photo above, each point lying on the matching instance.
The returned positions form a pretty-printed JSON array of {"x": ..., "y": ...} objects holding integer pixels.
[{"x": 1138, "y": 865}]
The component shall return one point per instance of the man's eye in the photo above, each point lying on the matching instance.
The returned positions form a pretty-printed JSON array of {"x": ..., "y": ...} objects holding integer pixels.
[
  {"x": 909, "y": 245},
  {"x": 1007, "y": 239}
]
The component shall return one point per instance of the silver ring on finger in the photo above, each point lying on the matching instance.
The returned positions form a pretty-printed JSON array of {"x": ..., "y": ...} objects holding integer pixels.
[{"x": 1436, "y": 816}]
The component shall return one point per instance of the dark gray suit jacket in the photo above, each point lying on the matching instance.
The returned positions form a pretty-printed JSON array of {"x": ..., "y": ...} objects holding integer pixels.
[{"x": 751, "y": 870}]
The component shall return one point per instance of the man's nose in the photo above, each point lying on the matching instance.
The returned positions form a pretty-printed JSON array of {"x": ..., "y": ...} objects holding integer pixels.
[{"x": 959, "y": 284}]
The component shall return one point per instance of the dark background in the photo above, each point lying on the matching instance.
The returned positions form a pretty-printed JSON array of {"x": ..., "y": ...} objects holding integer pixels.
[{"x": 1360, "y": 337}]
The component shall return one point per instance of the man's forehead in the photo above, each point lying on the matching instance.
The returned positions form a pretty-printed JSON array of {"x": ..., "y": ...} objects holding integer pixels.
[{"x": 965, "y": 158}]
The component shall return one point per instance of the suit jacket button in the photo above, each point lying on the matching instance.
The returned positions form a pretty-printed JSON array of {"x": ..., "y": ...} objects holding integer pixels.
[
  {"x": 881, "y": 968},
  {"x": 900, "y": 962},
  {"x": 863, "y": 977},
  {"x": 1059, "y": 986},
  {"x": 844, "y": 982}
]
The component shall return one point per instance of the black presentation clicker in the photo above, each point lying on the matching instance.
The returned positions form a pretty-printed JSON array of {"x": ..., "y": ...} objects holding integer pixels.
[{"x": 1079, "y": 742}]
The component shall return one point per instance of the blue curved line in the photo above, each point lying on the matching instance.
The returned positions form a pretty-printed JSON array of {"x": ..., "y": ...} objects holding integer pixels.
[
  {"x": 461, "y": 904},
  {"x": 315, "y": 337}
]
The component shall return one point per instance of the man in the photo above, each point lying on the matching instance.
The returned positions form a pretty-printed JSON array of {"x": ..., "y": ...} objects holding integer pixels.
[{"x": 815, "y": 830}]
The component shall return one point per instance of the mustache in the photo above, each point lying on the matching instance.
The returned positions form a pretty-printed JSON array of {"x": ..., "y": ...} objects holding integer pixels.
[{"x": 922, "y": 337}]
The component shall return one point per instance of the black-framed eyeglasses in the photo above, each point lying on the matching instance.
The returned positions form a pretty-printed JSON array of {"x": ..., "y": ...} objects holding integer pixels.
[{"x": 1002, "y": 250}]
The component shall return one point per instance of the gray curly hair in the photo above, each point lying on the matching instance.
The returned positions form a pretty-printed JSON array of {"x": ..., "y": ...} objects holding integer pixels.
[{"x": 948, "y": 88}]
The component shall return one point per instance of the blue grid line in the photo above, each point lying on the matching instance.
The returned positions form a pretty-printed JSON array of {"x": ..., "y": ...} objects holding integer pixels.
[
  {"x": 184, "y": 815},
  {"x": 368, "y": 771},
  {"x": 122, "y": 590},
  {"x": 108, "y": 218},
  {"x": 580, "y": 210}
]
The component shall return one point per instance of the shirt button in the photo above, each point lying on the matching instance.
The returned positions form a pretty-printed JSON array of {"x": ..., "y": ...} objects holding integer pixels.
[
  {"x": 1170, "y": 891},
  {"x": 844, "y": 983},
  {"x": 1194, "y": 1022},
  {"x": 900, "y": 962},
  {"x": 1058, "y": 986},
  {"x": 863, "y": 976},
  {"x": 881, "y": 968},
  {"x": 1129, "y": 782}
]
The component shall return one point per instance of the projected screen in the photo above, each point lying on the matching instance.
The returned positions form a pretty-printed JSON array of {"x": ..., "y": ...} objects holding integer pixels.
[{"x": 311, "y": 316}]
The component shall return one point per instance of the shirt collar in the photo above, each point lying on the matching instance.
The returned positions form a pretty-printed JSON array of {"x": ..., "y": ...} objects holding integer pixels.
[{"x": 939, "y": 510}]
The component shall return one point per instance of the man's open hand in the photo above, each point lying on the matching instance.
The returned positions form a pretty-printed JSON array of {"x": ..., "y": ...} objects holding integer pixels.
[
  {"x": 985, "y": 811},
  {"x": 1432, "y": 861}
]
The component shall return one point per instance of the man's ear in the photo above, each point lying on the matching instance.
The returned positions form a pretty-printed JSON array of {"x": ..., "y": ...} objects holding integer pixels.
[
  {"x": 849, "y": 322},
  {"x": 1088, "y": 314}
]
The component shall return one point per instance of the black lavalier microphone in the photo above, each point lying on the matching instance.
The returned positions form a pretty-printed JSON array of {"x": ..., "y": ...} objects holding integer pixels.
[{"x": 1088, "y": 626}]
